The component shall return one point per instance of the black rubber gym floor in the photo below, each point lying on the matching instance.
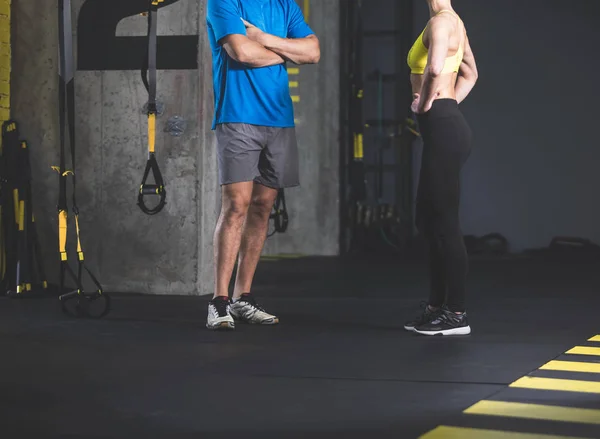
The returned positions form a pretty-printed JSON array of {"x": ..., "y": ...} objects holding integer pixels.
[{"x": 338, "y": 366}]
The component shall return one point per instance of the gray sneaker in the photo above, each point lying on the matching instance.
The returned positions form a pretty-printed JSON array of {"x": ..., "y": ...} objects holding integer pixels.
[
  {"x": 247, "y": 310},
  {"x": 219, "y": 314}
]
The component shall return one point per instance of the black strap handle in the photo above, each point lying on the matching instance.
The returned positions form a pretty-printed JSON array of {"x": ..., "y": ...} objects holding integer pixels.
[
  {"x": 156, "y": 189},
  {"x": 280, "y": 215}
]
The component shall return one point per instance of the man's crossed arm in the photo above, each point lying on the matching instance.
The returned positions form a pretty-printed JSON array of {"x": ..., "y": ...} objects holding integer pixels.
[{"x": 260, "y": 49}]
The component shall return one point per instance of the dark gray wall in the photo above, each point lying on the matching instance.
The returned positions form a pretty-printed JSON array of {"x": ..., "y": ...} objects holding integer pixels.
[{"x": 534, "y": 172}]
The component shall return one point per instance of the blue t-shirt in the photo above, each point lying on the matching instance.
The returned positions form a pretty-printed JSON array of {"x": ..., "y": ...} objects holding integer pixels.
[{"x": 256, "y": 96}]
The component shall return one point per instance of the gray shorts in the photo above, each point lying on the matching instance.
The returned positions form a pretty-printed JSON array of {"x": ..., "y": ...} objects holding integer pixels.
[{"x": 265, "y": 155}]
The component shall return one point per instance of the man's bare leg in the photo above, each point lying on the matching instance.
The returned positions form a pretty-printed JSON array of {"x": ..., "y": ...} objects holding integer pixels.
[
  {"x": 228, "y": 233},
  {"x": 253, "y": 237}
]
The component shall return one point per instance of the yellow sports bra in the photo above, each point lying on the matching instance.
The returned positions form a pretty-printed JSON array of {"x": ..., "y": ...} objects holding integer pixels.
[{"x": 417, "y": 57}]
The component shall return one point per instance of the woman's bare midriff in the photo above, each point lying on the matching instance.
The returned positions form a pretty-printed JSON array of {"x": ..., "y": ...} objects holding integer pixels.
[{"x": 445, "y": 89}]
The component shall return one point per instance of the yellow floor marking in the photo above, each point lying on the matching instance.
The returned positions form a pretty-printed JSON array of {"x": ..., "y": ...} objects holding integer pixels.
[
  {"x": 535, "y": 411},
  {"x": 295, "y": 98},
  {"x": 557, "y": 384},
  {"x": 584, "y": 350},
  {"x": 572, "y": 366},
  {"x": 293, "y": 84},
  {"x": 293, "y": 71},
  {"x": 445, "y": 432},
  {"x": 596, "y": 338}
]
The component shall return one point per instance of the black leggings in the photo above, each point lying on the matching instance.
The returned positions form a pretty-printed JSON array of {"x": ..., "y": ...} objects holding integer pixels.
[{"x": 446, "y": 146}]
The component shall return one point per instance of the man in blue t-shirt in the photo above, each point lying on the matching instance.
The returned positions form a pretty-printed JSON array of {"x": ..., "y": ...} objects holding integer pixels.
[{"x": 251, "y": 41}]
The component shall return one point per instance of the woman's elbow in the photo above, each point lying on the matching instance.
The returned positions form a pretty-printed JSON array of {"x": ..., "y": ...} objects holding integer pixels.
[
  {"x": 435, "y": 70},
  {"x": 473, "y": 76}
]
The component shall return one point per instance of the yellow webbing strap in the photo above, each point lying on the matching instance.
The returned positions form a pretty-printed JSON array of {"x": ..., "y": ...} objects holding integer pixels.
[
  {"x": 358, "y": 147},
  {"x": 79, "y": 248},
  {"x": 151, "y": 132},
  {"x": 16, "y": 204},
  {"x": 62, "y": 234},
  {"x": 21, "y": 221}
]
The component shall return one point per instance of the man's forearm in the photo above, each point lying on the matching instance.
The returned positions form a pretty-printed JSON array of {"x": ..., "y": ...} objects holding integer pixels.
[
  {"x": 298, "y": 51},
  {"x": 463, "y": 87},
  {"x": 253, "y": 54}
]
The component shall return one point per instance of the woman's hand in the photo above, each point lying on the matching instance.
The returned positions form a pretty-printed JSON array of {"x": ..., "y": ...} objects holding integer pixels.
[
  {"x": 415, "y": 103},
  {"x": 419, "y": 107}
]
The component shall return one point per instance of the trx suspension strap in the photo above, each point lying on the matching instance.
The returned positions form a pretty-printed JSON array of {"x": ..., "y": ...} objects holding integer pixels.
[
  {"x": 83, "y": 305},
  {"x": 22, "y": 265},
  {"x": 357, "y": 169},
  {"x": 149, "y": 79},
  {"x": 280, "y": 215},
  {"x": 10, "y": 205}
]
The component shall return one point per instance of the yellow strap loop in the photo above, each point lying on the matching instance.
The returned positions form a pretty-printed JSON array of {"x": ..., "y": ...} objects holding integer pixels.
[
  {"x": 64, "y": 174},
  {"x": 79, "y": 248}
]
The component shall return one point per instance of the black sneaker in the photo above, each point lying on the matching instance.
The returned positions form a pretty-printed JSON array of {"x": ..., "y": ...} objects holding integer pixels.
[
  {"x": 426, "y": 316},
  {"x": 445, "y": 323},
  {"x": 219, "y": 314}
]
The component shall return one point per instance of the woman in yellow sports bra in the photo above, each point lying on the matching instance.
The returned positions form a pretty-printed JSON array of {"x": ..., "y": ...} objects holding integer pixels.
[{"x": 443, "y": 73}]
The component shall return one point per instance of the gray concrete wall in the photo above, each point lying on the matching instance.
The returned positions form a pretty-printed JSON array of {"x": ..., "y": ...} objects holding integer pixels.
[
  {"x": 533, "y": 171},
  {"x": 314, "y": 206},
  {"x": 171, "y": 252}
]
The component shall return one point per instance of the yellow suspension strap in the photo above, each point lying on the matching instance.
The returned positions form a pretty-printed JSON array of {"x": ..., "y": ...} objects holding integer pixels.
[
  {"x": 34, "y": 276},
  {"x": 149, "y": 79},
  {"x": 22, "y": 267},
  {"x": 280, "y": 215},
  {"x": 23, "y": 261},
  {"x": 74, "y": 302},
  {"x": 10, "y": 206}
]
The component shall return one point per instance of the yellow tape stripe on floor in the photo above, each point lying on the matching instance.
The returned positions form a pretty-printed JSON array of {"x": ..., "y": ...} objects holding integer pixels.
[
  {"x": 293, "y": 71},
  {"x": 535, "y": 411},
  {"x": 596, "y": 338},
  {"x": 572, "y": 366},
  {"x": 557, "y": 384},
  {"x": 445, "y": 432},
  {"x": 584, "y": 350}
]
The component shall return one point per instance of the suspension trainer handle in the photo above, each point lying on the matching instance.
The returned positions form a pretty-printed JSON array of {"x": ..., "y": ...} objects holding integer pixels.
[
  {"x": 149, "y": 79},
  {"x": 280, "y": 215},
  {"x": 158, "y": 188}
]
